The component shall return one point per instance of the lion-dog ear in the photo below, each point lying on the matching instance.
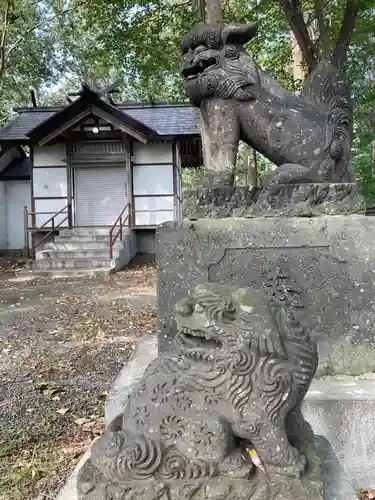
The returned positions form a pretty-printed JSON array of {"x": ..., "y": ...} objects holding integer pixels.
[{"x": 239, "y": 33}]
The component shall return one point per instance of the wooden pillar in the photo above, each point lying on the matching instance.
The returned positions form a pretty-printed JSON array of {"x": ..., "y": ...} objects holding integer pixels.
[
  {"x": 33, "y": 218},
  {"x": 174, "y": 174},
  {"x": 131, "y": 197},
  {"x": 69, "y": 181}
]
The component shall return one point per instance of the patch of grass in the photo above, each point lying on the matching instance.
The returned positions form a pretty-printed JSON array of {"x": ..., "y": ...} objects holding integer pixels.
[
  {"x": 24, "y": 462},
  {"x": 29, "y": 466}
]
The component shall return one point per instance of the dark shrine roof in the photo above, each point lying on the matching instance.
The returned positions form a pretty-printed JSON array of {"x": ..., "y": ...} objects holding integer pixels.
[
  {"x": 18, "y": 169},
  {"x": 162, "y": 119}
]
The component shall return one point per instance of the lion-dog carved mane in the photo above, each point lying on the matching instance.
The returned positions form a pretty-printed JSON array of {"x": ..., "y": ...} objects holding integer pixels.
[
  {"x": 240, "y": 368},
  {"x": 307, "y": 136}
]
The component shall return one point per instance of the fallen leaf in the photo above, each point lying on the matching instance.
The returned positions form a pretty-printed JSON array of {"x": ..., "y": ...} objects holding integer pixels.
[
  {"x": 74, "y": 451},
  {"x": 42, "y": 386},
  {"x": 34, "y": 473},
  {"x": 62, "y": 411},
  {"x": 366, "y": 494},
  {"x": 81, "y": 421},
  {"x": 52, "y": 392}
]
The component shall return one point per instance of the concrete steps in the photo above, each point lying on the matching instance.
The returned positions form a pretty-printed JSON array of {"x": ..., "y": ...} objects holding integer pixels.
[
  {"x": 82, "y": 237},
  {"x": 85, "y": 231},
  {"x": 73, "y": 263},
  {"x": 78, "y": 253},
  {"x": 83, "y": 244},
  {"x": 83, "y": 250},
  {"x": 63, "y": 273}
]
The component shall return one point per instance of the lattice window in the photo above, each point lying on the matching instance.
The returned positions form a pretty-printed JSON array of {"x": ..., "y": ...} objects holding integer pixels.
[{"x": 100, "y": 151}]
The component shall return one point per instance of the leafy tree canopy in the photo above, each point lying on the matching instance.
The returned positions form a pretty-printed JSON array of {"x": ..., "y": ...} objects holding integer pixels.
[{"x": 53, "y": 45}]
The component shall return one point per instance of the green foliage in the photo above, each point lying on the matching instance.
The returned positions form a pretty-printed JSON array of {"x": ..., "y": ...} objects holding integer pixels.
[
  {"x": 190, "y": 178},
  {"x": 32, "y": 50},
  {"x": 56, "y": 44},
  {"x": 360, "y": 72},
  {"x": 141, "y": 40},
  {"x": 363, "y": 166}
]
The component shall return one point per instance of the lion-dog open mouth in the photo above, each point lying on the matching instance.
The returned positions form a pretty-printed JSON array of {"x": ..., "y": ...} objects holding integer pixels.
[
  {"x": 194, "y": 70},
  {"x": 198, "y": 339}
]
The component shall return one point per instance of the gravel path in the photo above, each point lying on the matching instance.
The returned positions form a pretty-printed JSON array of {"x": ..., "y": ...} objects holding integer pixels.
[{"x": 62, "y": 343}]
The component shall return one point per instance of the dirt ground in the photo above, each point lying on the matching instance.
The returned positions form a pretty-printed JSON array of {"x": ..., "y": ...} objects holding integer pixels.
[{"x": 62, "y": 343}]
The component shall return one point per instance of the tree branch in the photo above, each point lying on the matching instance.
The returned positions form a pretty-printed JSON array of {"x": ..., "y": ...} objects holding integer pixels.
[
  {"x": 4, "y": 37},
  {"x": 323, "y": 31},
  {"x": 213, "y": 11},
  {"x": 32, "y": 27},
  {"x": 201, "y": 9},
  {"x": 346, "y": 33},
  {"x": 293, "y": 13}
]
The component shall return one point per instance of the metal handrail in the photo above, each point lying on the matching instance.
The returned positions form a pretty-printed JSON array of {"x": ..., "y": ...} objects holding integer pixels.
[
  {"x": 113, "y": 237},
  {"x": 66, "y": 209},
  {"x": 51, "y": 219}
]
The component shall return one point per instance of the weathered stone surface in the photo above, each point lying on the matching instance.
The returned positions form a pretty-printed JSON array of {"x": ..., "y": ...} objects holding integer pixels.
[
  {"x": 145, "y": 351},
  {"x": 287, "y": 200},
  {"x": 307, "y": 136},
  {"x": 259, "y": 488},
  {"x": 241, "y": 366},
  {"x": 331, "y": 259},
  {"x": 348, "y": 425}
]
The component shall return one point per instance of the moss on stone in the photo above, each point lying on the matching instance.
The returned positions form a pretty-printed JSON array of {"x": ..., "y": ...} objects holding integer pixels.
[{"x": 348, "y": 359}]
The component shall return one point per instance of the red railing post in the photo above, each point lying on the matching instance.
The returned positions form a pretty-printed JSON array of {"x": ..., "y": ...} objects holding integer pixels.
[
  {"x": 110, "y": 245},
  {"x": 70, "y": 217},
  {"x": 44, "y": 226},
  {"x": 33, "y": 245},
  {"x": 122, "y": 221},
  {"x": 26, "y": 252}
]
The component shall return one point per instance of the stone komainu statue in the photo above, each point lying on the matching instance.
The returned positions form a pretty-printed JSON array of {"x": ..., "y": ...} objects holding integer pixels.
[
  {"x": 241, "y": 366},
  {"x": 307, "y": 136}
]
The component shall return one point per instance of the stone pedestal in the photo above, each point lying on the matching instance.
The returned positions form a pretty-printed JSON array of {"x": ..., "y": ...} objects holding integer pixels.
[
  {"x": 330, "y": 258},
  {"x": 278, "y": 199}
]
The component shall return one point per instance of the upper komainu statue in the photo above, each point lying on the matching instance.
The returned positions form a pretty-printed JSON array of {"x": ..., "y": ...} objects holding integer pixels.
[
  {"x": 241, "y": 366},
  {"x": 307, "y": 136}
]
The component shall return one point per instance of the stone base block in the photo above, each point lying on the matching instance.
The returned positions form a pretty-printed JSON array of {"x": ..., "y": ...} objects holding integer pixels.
[
  {"x": 280, "y": 199},
  {"x": 331, "y": 259},
  {"x": 257, "y": 487}
]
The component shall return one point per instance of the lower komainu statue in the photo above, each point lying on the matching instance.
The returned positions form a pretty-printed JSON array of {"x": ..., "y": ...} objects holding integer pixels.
[{"x": 219, "y": 416}]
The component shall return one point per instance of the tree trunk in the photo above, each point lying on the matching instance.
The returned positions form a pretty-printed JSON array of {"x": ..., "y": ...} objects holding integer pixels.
[
  {"x": 214, "y": 12},
  {"x": 3, "y": 37},
  {"x": 252, "y": 169},
  {"x": 294, "y": 14},
  {"x": 210, "y": 12},
  {"x": 347, "y": 28},
  {"x": 297, "y": 62},
  {"x": 201, "y": 9}
]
